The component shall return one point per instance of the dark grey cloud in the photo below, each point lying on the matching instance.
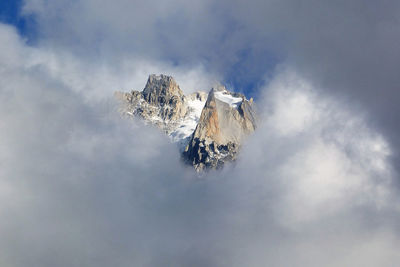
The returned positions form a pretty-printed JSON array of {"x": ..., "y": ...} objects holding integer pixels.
[{"x": 347, "y": 48}]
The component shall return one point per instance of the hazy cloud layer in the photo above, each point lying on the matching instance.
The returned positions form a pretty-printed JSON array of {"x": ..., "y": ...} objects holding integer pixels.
[
  {"x": 348, "y": 48},
  {"x": 82, "y": 187}
]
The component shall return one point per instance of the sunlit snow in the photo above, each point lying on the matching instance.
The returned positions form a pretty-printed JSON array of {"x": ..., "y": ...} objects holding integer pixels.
[
  {"x": 188, "y": 124},
  {"x": 227, "y": 98}
]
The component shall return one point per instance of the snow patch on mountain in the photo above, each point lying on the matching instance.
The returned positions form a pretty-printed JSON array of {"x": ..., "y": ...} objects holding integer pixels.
[
  {"x": 188, "y": 124},
  {"x": 224, "y": 96}
]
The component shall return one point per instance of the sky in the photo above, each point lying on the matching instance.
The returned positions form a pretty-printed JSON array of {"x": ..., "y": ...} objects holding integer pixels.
[{"x": 317, "y": 184}]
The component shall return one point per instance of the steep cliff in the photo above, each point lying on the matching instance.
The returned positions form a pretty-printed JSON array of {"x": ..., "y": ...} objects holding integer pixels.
[{"x": 227, "y": 118}]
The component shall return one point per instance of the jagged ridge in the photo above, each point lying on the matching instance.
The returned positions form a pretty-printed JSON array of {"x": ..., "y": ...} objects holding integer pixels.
[{"x": 209, "y": 128}]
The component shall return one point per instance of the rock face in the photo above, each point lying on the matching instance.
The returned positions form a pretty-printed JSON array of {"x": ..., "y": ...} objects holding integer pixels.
[
  {"x": 164, "y": 92},
  {"x": 161, "y": 98},
  {"x": 227, "y": 118},
  {"x": 208, "y": 128}
]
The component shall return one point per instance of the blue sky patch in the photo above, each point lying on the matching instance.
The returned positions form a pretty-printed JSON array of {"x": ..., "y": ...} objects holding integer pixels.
[{"x": 10, "y": 13}]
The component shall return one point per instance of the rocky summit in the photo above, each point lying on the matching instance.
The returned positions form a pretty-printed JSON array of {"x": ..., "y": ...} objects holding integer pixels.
[{"x": 209, "y": 128}]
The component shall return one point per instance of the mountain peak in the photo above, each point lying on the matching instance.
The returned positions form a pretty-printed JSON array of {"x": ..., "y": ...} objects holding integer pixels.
[
  {"x": 209, "y": 128},
  {"x": 160, "y": 89},
  {"x": 226, "y": 119},
  {"x": 218, "y": 87}
]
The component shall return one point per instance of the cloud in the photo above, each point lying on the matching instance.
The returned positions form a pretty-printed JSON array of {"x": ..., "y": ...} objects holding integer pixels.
[
  {"x": 349, "y": 49},
  {"x": 81, "y": 186}
]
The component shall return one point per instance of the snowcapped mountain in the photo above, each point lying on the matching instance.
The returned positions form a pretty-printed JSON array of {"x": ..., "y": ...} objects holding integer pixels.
[{"x": 208, "y": 128}]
